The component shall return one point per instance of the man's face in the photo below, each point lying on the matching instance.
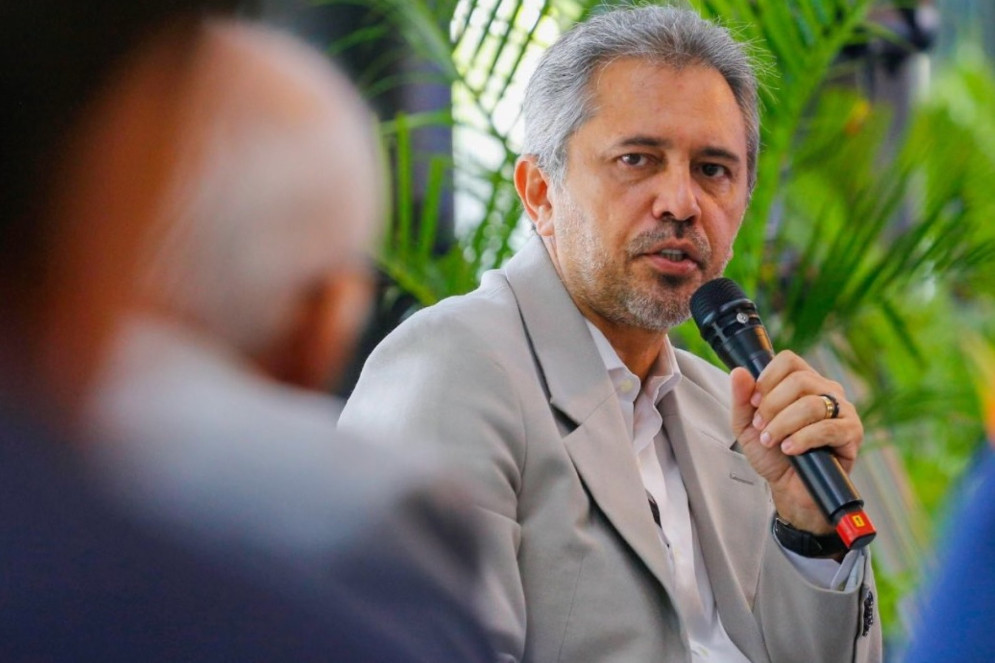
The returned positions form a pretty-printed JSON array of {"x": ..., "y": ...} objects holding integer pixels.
[{"x": 654, "y": 192}]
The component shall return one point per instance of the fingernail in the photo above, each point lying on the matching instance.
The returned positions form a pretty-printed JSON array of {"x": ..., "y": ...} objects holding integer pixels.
[
  {"x": 787, "y": 446},
  {"x": 765, "y": 439},
  {"x": 755, "y": 399},
  {"x": 758, "y": 421}
]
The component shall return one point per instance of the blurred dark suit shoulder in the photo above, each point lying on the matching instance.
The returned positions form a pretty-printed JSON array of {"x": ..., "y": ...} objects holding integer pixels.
[
  {"x": 196, "y": 444},
  {"x": 83, "y": 582}
]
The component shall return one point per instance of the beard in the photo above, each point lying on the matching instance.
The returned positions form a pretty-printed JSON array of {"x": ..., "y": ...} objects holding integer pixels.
[{"x": 610, "y": 286}]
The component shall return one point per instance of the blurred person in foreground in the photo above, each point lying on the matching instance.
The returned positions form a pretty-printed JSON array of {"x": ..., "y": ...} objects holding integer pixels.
[
  {"x": 208, "y": 420},
  {"x": 958, "y": 602},
  {"x": 88, "y": 121},
  {"x": 629, "y": 489}
]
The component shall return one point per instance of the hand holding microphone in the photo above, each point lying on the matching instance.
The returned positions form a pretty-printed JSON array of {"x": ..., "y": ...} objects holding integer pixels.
[{"x": 791, "y": 409}]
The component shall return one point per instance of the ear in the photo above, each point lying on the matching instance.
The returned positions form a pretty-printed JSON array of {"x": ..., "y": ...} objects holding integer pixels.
[
  {"x": 317, "y": 346},
  {"x": 533, "y": 189}
]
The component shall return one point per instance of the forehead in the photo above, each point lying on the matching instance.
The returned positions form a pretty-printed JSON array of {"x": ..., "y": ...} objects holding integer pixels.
[{"x": 632, "y": 95}]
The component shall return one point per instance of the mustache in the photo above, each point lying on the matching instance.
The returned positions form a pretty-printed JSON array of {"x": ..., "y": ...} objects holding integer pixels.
[{"x": 646, "y": 241}]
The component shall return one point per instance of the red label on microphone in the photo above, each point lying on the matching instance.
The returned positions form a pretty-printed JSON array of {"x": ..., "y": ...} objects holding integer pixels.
[{"x": 855, "y": 529}]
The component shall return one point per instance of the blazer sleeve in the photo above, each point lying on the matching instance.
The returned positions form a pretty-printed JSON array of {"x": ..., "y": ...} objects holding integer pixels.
[
  {"x": 826, "y": 625},
  {"x": 438, "y": 384}
]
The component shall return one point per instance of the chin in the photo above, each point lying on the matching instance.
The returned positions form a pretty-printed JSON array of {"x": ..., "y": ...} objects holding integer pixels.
[{"x": 658, "y": 314}]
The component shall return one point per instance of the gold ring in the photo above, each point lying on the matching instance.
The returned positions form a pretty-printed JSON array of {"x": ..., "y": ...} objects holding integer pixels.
[{"x": 832, "y": 405}]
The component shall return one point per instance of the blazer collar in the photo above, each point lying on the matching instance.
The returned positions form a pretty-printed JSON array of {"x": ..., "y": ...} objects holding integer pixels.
[
  {"x": 574, "y": 373},
  {"x": 579, "y": 387}
]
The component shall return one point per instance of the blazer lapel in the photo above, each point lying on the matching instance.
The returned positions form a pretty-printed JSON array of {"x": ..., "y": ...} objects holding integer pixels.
[
  {"x": 580, "y": 389},
  {"x": 728, "y": 503}
]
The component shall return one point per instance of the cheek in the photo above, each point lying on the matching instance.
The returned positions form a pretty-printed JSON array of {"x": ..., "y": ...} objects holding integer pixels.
[
  {"x": 722, "y": 243},
  {"x": 725, "y": 225},
  {"x": 591, "y": 218},
  {"x": 581, "y": 232}
]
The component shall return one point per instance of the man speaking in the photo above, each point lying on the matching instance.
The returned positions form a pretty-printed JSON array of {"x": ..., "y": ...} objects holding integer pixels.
[{"x": 638, "y": 503}]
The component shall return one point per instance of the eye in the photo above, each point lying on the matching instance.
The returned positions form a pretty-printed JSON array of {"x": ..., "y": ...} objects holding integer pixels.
[
  {"x": 634, "y": 159},
  {"x": 713, "y": 170}
]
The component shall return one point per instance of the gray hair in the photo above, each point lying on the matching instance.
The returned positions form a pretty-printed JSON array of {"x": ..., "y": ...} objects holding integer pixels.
[
  {"x": 558, "y": 97},
  {"x": 261, "y": 206}
]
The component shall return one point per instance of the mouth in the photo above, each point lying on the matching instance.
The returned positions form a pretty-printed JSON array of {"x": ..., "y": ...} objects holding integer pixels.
[
  {"x": 674, "y": 255},
  {"x": 674, "y": 261},
  {"x": 674, "y": 252}
]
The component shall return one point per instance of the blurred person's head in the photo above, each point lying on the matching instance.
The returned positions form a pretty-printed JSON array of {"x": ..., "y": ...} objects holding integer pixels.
[
  {"x": 87, "y": 115},
  {"x": 263, "y": 236}
]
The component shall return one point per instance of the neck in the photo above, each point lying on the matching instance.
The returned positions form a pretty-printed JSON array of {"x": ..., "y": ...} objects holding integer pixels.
[{"x": 637, "y": 348}]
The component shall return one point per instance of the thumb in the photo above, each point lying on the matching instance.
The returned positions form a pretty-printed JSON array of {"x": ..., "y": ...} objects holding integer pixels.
[{"x": 743, "y": 385}]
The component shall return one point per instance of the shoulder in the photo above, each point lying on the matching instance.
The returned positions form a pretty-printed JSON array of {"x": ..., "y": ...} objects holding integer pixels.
[
  {"x": 487, "y": 311},
  {"x": 205, "y": 601},
  {"x": 451, "y": 379},
  {"x": 192, "y": 438},
  {"x": 452, "y": 341}
]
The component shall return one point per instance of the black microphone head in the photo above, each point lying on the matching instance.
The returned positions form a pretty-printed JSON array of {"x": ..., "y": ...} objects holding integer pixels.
[
  {"x": 712, "y": 297},
  {"x": 729, "y": 323}
]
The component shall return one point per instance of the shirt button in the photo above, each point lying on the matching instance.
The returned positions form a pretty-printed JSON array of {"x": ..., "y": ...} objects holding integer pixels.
[{"x": 627, "y": 385}]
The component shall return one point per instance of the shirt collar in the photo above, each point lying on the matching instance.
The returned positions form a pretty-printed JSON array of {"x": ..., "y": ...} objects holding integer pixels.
[{"x": 663, "y": 376}]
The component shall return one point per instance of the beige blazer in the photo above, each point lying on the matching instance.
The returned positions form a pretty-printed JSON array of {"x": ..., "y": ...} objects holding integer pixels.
[{"x": 508, "y": 381}]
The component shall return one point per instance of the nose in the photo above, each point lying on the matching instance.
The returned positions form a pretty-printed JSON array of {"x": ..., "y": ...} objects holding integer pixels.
[{"x": 676, "y": 195}]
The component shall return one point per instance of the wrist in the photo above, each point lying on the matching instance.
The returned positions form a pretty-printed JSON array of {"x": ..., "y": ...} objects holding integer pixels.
[
  {"x": 807, "y": 544},
  {"x": 801, "y": 513}
]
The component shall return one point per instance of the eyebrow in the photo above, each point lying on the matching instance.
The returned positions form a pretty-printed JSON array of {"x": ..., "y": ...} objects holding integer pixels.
[
  {"x": 643, "y": 141},
  {"x": 720, "y": 153},
  {"x": 712, "y": 151}
]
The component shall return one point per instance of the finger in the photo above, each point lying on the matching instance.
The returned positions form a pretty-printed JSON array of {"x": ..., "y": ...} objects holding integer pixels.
[
  {"x": 805, "y": 411},
  {"x": 843, "y": 436},
  {"x": 794, "y": 387},
  {"x": 783, "y": 364},
  {"x": 840, "y": 437},
  {"x": 805, "y": 441},
  {"x": 743, "y": 388}
]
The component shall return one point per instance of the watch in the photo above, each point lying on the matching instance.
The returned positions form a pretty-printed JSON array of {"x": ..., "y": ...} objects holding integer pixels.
[{"x": 805, "y": 543}]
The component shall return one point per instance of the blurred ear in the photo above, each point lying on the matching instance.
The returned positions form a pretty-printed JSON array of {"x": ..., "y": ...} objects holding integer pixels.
[
  {"x": 318, "y": 345},
  {"x": 533, "y": 189}
]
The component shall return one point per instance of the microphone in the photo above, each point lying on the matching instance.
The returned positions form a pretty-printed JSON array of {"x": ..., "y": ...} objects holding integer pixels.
[{"x": 728, "y": 321}]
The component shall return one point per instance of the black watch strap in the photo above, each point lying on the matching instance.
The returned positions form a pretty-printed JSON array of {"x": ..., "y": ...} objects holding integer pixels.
[{"x": 807, "y": 544}]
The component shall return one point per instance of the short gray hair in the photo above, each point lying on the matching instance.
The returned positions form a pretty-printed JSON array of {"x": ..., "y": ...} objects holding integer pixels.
[
  {"x": 558, "y": 97},
  {"x": 258, "y": 208}
]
